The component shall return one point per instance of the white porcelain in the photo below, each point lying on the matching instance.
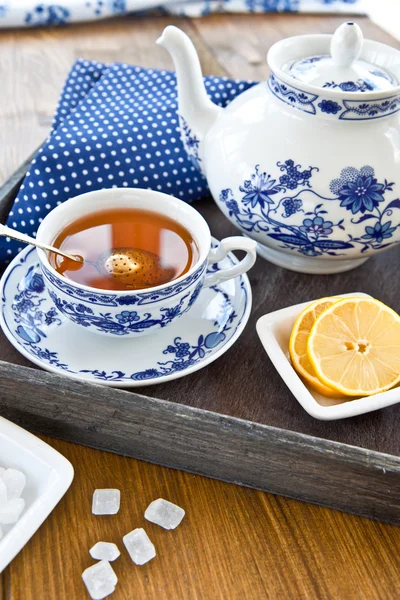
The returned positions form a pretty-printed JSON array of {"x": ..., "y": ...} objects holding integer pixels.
[
  {"x": 307, "y": 167},
  {"x": 138, "y": 312},
  {"x": 274, "y": 331},
  {"x": 342, "y": 66},
  {"x": 52, "y": 341},
  {"x": 48, "y": 476}
]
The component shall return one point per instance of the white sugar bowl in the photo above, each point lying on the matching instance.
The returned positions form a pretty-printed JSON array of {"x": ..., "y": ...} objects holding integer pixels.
[{"x": 307, "y": 163}]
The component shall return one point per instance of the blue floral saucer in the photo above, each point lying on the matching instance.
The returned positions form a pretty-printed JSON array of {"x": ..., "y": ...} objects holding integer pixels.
[{"x": 37, "y": 330}]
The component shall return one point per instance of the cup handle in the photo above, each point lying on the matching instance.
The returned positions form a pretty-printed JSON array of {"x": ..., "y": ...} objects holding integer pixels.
[{"x": 225, "y": 246}]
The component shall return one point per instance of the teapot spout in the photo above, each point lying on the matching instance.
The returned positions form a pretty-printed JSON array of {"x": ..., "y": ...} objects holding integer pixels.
[{"x": 196, "y": 111}]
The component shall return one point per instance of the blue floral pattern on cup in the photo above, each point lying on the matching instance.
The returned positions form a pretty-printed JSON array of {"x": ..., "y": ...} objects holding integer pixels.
[
  {"x": 125, "y": 322},
  {"x": 274, "y": 206},
  {"x": 142, "y": 298}
]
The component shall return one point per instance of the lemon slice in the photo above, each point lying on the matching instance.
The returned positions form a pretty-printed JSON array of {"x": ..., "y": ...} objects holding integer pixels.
[
  {"x": 298, "y": 345},
  {"x": 354, "y": 347}
]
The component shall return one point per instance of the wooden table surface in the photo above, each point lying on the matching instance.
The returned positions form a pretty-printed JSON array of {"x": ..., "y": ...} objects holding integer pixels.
[{"x": 234, "y": 542}]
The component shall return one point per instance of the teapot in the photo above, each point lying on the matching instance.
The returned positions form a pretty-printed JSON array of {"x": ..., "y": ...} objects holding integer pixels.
[{"x": 308, "y": 162}]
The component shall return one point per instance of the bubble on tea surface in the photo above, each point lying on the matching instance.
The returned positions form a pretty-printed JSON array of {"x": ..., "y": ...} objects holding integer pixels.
[{"x": 135, "y": 268}]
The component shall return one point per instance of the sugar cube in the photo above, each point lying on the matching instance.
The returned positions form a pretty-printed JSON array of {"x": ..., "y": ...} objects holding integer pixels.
[
  {"x": 15, "y": 482},
  {"x": 164, "y": 513},
  {"x": 11, "y": 511},
  {"x": 100, "y": 580},
  {"x": 106, "y": 502},
  {"x": 3, "y": 493},
  {"x": 104, "y": 551},
  {"x": 139, "y": 546}
]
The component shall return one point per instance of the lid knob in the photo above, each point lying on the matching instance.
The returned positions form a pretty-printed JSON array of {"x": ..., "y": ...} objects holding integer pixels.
[{"x": 346, "y": 44}]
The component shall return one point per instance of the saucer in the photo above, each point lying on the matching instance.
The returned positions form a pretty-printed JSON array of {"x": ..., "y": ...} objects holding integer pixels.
[{"x": 44, "y": 336}]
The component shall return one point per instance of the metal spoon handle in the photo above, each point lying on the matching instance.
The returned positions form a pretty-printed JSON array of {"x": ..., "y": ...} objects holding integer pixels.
[{"x": 26, "y": 239}]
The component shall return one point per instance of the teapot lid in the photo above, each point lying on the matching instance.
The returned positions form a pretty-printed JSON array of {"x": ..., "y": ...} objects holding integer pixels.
[{"x": 342, "y": 69}]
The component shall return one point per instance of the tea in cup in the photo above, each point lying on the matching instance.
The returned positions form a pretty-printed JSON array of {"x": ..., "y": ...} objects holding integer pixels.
[{"x": 125, "y": 249}]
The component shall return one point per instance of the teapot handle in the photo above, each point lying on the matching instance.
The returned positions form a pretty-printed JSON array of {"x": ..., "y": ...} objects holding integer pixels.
[{"x": 220, "y": 252}]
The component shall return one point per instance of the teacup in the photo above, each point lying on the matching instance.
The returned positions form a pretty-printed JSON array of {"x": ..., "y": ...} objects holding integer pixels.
[{"x": 137, "y": 312}]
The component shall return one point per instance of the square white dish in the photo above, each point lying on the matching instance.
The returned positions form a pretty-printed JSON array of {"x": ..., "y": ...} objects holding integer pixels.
[
  {"x": 48, "y": 476},
  {"x": 274, "y": 331}
]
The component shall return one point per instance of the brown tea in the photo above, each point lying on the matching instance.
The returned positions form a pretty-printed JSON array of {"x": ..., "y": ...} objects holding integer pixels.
[{"x": 125, "y": 249}]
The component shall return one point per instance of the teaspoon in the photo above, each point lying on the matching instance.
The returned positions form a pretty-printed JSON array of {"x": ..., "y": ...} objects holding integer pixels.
[{"x": 26, "y": 239}]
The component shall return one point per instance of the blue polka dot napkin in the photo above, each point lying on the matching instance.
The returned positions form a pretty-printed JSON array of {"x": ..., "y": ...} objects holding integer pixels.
[{"x": 115, "y": 126}]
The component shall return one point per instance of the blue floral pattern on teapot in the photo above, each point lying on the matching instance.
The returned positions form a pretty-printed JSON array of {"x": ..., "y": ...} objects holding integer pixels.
[{"x": 274, "y": 205}]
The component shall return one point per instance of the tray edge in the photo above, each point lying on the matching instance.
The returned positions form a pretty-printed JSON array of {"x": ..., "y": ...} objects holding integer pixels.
[{"x": 274, "y": 460}]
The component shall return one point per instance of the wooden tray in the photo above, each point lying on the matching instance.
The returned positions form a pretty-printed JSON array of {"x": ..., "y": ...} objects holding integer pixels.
[{"x": 235, "y": 420}]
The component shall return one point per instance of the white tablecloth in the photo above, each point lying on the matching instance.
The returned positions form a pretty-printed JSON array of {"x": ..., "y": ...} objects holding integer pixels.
[{"x": 28, "y": 13}]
